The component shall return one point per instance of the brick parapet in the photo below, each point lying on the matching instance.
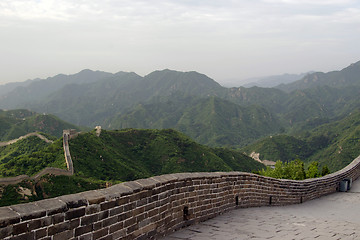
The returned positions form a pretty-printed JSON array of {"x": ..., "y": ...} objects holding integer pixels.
[{"x": 152, "y": 207}]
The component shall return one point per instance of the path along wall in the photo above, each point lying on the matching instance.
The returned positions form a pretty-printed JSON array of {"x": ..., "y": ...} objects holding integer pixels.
[{"x": 149, "y": 208}]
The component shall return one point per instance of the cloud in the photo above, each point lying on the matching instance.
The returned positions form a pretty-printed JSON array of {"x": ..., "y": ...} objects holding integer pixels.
[
  {"x": 149, "y": 34},
  {"x": 312, "y": 2}
]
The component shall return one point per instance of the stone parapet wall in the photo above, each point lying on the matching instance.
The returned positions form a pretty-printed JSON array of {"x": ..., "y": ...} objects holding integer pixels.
[
  {"x": 69, "y": 162},
  {"x": 152, "y": 207},
  {"x": 3, "y": 144}
]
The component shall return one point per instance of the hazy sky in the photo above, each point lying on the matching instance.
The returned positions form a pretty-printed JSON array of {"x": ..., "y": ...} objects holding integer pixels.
[{"x": 220, "y": 38}]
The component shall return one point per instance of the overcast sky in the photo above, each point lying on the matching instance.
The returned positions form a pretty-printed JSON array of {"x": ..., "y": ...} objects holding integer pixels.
[{"x": 223, "y": 39}]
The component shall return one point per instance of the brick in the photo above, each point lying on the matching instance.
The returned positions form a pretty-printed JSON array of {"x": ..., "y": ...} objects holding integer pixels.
[
  {"x": 103, "y": 215},
  {"x": 25, "y": 236},
  {"x": 86, "y": 220},
  {"x": 123, "y": 216},
  {"x": 6, "y": 231},
  {"x": 108, "y": 205},
  {"x": 92, "y": 209},
  {"x": 119, "y": 234},
  {"x": 116, "y": 210},
  {"x": 97, "y": 226},
  {"x": 123, "y": 200},
  {"x": 40, "y": 233},
  {"x": 20, "y": 228},
  {"x": 52, "y": 230},
  {"x": 129, "y": 207},
  {"x": 86, "y": 237},
  {"x": 57, "y": 218},
  {"x": 39, "y": 223},
  {"x": 74, "y": 223},
  {"x": 82, "y": 230},
  {"x": 129, "y": 222},
  {"x": 110, "y": 221},
  {"x": 138, "y": 211},
  {"x": 116, "y": 227},
  {"x": 63, "y": 235},
  {"x": 100, "y": 233},
  {"x": 108, "y": 237},
  {"x": 74, "y": 213}
]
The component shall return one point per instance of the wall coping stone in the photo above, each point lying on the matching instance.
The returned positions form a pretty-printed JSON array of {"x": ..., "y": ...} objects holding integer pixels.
[
  {"x": 93, "y": 197},
  {"x": 73, "y": 200},
  {"x": 28, "y": 210},
  {"x": 116, "y": 191},
  {"x": 8, "y": 216},
  {"x": 148, "y": 183},
  {"x": 52, "y": 206}
]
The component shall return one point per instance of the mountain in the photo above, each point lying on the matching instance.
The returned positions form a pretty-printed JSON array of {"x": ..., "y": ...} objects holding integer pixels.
[
  {"x": 313, "y": 106},
  {"x": 133, "y": 153},
  {"x": 273, "y": 81},
  {"x": 129, "y": 100},
  {"x": 16, "y": 123},
  {"x": 211, "y": 121},
  {"x": 8, "y": 87},
  {"x": 36, "y": 90},
  {"x": 348, "y": 76},
  {"x": 333, "y": 144}
]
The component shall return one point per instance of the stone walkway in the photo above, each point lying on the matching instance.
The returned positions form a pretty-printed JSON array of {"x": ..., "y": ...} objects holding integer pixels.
[{"x": 336, "y": 216}]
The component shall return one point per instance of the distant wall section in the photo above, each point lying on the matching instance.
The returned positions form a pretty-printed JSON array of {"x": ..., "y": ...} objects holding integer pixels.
[{"x": 67, "y": 135}]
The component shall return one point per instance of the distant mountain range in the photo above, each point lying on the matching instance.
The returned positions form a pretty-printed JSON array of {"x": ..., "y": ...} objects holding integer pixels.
[
  {"x": 348, "y": 76},
  {"x": 191, "y": 102},
  {"x": 273, "y": 81}
]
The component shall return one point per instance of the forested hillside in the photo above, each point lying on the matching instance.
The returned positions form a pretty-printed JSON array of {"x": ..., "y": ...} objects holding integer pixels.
[
  {"x": 112, "y": 157},
  {"x": 16, "y": 123},
  {"x": 334, "y": 144},
  {"x": 134, "y": 153}
]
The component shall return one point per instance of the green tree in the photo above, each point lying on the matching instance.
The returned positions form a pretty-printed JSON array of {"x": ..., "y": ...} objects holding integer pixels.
[
  {"x": 325, "y": 170},
  {"x": 313, "y": 170}
]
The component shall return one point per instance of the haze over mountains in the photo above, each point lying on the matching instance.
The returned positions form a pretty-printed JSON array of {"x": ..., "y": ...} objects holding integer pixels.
[
  {"x": 92, "y": 98},
  {"x": 191, "y": 102},
  {"x": 267, "y": 81}
]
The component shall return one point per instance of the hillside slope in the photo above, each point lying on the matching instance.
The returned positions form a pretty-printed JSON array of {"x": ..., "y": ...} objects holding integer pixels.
[
  {"x": 334, "y": 144},
  {"x": 349, "y": 76},
  {"x": 133, "y": 153},
  {"x": 211, "y": 121},
  {"x": 16, "y": 123}
]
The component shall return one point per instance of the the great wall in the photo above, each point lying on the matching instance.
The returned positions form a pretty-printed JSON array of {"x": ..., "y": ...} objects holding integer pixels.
[
  {"x": 67, "y": 135},
  {"x": 152, "y": 207}
]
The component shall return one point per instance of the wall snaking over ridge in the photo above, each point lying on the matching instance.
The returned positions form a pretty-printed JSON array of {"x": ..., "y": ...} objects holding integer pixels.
[
  {"x": 149, "y": 208},
  {"x": 67, "y": 135}
]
